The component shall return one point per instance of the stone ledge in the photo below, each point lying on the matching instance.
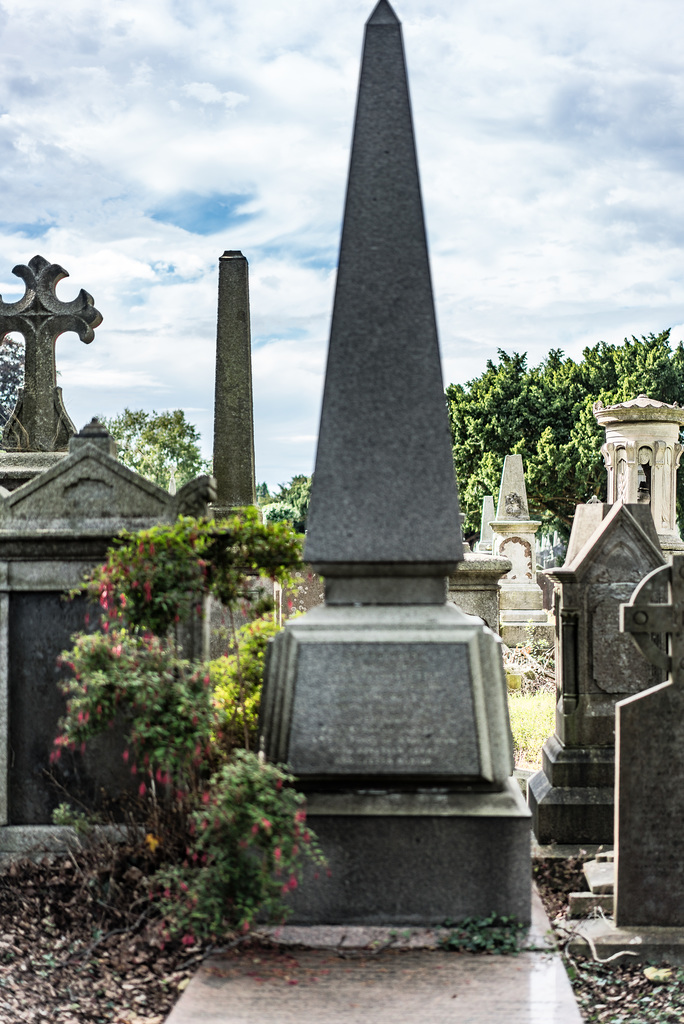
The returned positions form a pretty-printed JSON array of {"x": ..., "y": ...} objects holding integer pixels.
[{"x": 601, "y": 939}]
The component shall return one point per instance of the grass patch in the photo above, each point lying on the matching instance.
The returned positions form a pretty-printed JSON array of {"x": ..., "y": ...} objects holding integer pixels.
[{"x": 532, "y": 722}]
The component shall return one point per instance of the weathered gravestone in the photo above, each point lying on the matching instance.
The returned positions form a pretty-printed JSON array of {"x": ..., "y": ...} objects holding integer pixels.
[
  {"x": 610, "y": 550},
  {"x": 388, "y": 703},
  {"x": 52, "y": 530},
  {"x": 484, "y": 544},
  {"x": 521, "y": 599},
  {"x": 233, "y": 413},
  {"x": 37, "y": 433},
  {"x": 648, "y": 880},
  {"x": 649, "y": 784}
]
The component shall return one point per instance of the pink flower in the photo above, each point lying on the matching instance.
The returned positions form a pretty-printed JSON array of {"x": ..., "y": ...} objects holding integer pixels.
[
  {"x": 293, "y": 883},
  {"x": 188, "y": 940},
  {"x": 266, "y": 823},
  {"x": 142, "y": 789},
  {"x": 184, "y": 887},
  {"x": 277, "y": 853},
  {"x": 148, "y": 591},
  {"x": 255, "y": 829},
  {"x": 125, "y": 755},
  {"x": 205, "y": 797},
  {"x": 300, "y": 816}
]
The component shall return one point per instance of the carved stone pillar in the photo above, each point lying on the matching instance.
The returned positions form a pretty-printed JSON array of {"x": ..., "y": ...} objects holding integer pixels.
[{"x": 641, "y": 455}]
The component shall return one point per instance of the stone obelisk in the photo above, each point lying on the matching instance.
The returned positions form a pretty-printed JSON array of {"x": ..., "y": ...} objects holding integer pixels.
[
  {"x": 389, "y": 704},
  {"x": 233, "y": 412}
]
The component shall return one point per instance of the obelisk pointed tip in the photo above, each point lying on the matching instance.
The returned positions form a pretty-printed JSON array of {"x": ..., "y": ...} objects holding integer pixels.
[{"x": 383, "y": 15}]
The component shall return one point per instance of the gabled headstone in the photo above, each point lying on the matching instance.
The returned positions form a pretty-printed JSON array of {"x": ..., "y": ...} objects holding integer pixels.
[
  {"x": 521, "y": 599},
  {"x": 52, "y": 530},
  {"x": 388, "y": 703},
  {"x": 611, "y": 548}
]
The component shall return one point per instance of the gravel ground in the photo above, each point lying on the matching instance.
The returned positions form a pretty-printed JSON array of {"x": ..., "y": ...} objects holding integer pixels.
[
  {"x": 611, "y": 993},
  {"x": 79, "y": 944}
]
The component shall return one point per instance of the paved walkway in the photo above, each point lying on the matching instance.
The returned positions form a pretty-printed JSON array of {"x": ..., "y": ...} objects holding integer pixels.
[{"x": 349, "y": 981}]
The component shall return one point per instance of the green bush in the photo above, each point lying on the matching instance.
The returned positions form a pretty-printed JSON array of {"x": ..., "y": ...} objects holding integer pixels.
[
  {"x": 236, "y": 680},
  {"x": 224, "y": 830}
]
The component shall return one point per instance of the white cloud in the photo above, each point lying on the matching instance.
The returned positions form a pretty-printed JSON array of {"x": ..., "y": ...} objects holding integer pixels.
[{"x": 138, "y": 141}]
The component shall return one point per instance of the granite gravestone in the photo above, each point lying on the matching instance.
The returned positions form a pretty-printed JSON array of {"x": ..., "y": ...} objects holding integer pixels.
[
  {"x": 649, "y": 785},
  {"x": 610, "y": 550},
  {"x": 36, "y": 436},
  {"x": 521, "y": 599},
  {"x": 233, "y": 411},
  {"x": 388, "y": 703}
]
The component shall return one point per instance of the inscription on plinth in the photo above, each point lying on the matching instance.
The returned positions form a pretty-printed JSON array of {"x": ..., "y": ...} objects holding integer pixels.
[{"x": 354, "y": 713}]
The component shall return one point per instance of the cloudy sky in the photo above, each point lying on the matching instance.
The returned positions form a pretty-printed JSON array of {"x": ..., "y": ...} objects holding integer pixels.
[{"x": 139, "y": 139}]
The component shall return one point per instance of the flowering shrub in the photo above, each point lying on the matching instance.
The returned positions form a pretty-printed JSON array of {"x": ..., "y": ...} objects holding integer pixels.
[
  {"x": 245, "y": 853},
  {"x": 225, "y": 831},
  {"x": 157, "y": 577}
]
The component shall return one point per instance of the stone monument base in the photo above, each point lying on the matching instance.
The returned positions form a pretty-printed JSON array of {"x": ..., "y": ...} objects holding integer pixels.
[
  {"x": 525, "y": 626},
  {"x": 474, "y": 586},
  {"x": 572, "y": 797},
  {"x": 417, "y": 858}
]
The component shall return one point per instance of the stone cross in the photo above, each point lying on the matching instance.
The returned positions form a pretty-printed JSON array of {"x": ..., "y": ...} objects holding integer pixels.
[
  {"x": 39, "y": 422},
  {"x": 649, "y": 788}
]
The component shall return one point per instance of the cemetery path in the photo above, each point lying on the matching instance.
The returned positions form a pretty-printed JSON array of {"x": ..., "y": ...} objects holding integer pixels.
[{"x": 77, "y": 947}]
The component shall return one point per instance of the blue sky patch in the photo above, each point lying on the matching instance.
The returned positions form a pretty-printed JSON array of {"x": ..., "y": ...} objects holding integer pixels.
[
  {"x": 35, "y": 230},
  {"x": 201, "y": 215}
]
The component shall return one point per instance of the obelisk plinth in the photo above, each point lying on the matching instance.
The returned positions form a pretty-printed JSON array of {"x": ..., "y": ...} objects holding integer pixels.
[{"x": 388, "y": 703}]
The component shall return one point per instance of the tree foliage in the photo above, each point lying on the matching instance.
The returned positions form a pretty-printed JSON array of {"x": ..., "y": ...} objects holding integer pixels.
[
  {"x": 544, "y": 413},
  {"x": 158, "y": 443},
  {"x": 290, "y": 504},
  {"x": 11, "y": 374}
]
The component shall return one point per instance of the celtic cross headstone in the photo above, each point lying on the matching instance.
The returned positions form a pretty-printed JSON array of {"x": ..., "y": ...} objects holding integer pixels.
[
  {"x": 649, "y": 793},
  {"x": 39, "y": 422}
]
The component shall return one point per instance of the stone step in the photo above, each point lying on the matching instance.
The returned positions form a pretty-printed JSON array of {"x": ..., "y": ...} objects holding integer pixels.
[
  {"x": 583, "y": 904},
  {"x": 606, "y": 856},
  {"x": 600, "y": 876}
]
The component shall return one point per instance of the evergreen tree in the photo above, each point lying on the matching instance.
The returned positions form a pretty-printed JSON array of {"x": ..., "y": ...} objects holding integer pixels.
[{"x": 544, "y": 413}]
